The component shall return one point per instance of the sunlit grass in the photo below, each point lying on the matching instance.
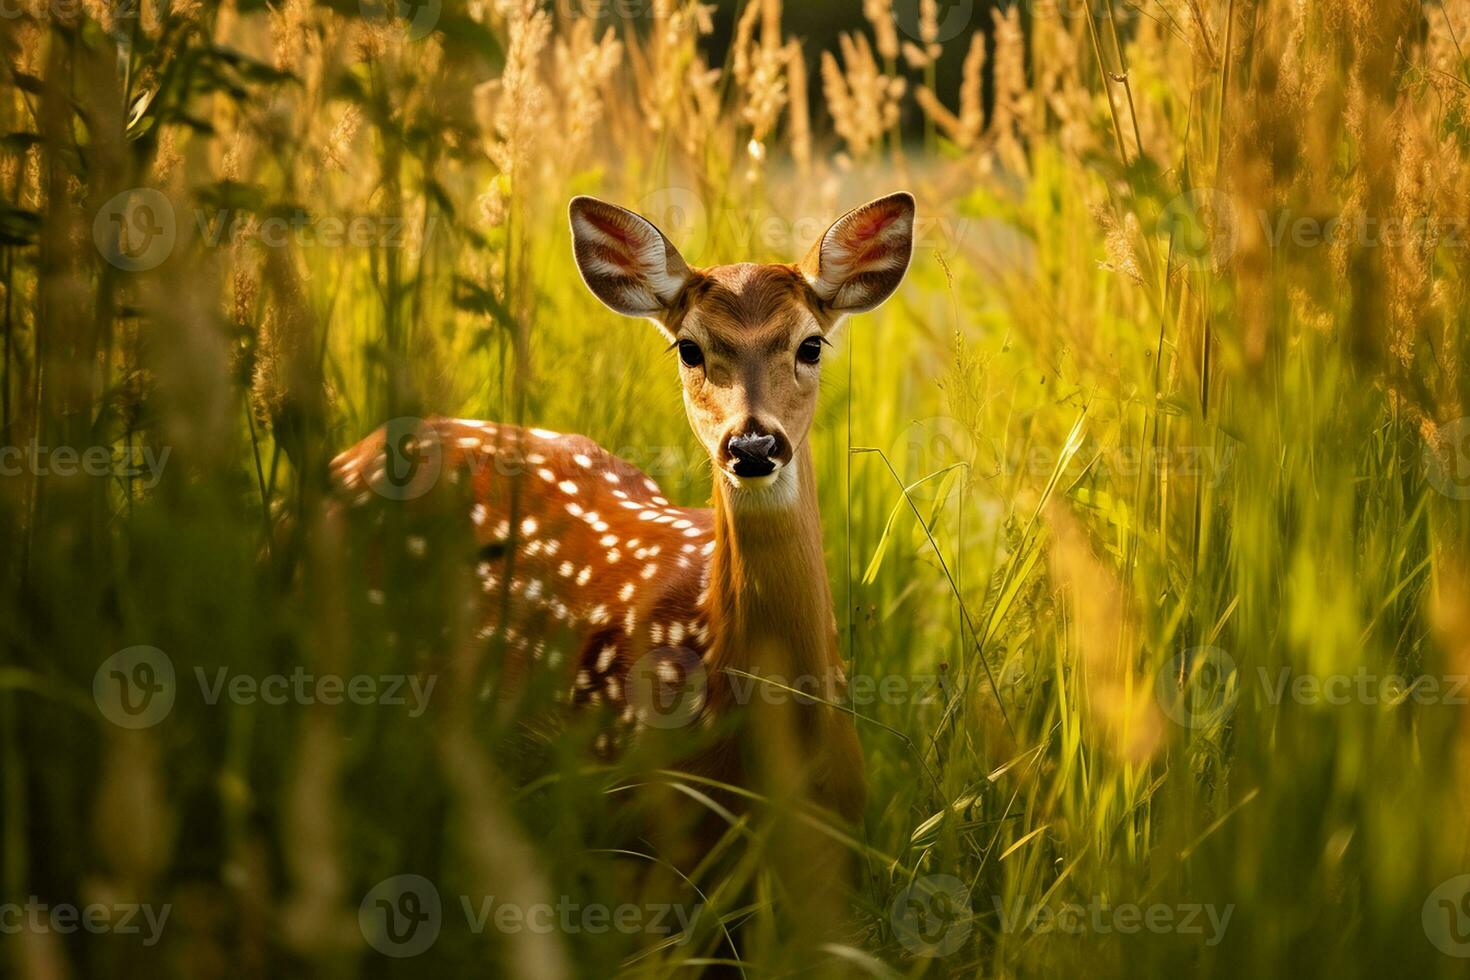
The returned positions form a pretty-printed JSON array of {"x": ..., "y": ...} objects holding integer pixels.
[{"x": 1101, "y": 432}]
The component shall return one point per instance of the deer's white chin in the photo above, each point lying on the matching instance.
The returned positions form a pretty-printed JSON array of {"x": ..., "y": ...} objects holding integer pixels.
[{"x": 776, "y": 489}]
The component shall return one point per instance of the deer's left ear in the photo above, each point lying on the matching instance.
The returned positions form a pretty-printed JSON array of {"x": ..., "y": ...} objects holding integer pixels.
[{"x": 862, "y": 258}]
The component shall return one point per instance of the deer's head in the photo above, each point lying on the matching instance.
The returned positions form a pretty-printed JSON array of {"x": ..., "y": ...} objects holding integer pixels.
[{"x": 749, "y": 337}]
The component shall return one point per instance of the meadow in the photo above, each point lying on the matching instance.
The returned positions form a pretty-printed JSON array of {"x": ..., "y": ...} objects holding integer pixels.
[{"x": 1145, "y": 499}]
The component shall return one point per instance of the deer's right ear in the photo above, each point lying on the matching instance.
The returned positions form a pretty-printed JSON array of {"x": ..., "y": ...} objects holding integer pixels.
[{"x": 625, "y": 260}]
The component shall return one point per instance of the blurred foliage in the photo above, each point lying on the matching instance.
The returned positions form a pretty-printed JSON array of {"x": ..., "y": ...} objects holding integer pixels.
[{"x": 1178, "y": 381}]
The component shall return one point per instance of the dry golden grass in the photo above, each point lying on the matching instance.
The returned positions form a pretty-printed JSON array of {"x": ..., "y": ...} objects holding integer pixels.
[{"x": 1172, "y": 415}]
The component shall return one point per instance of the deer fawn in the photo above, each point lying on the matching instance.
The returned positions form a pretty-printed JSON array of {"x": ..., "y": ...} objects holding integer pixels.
[{"x": 576, "y": 543}]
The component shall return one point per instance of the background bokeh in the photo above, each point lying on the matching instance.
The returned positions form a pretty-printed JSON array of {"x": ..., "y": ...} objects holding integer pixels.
[{"x": 1145, "y": 499}]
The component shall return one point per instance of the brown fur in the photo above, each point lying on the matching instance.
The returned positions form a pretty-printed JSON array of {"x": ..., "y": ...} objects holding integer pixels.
[{"x": 589, "y": 571}]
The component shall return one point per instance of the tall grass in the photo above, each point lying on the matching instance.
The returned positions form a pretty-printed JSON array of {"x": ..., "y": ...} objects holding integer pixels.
[{"x": 1169, "y": 414}]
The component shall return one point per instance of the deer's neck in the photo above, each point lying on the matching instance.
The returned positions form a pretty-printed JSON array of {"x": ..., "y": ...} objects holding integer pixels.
[{"x": 769, "y": 603}]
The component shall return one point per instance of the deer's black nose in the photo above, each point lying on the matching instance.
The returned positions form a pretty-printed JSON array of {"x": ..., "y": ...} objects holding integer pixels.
[{"x": 752, "y": 454}]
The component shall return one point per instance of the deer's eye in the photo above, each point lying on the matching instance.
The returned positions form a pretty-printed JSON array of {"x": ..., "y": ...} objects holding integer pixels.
[
  {"x": 810, "y": 351},
  {"x": 690, "y": 353}
]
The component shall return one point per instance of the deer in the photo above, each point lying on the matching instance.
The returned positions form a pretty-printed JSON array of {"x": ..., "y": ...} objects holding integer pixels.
[{"x": 588, "y": 569}]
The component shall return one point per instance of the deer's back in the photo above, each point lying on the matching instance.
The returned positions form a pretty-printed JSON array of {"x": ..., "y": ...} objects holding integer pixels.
[{"x": 583, "y": 566}]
